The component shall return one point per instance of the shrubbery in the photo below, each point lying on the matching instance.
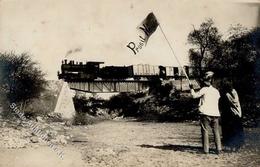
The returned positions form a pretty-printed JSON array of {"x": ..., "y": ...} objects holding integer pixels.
[
  {"x": 21, "y": 80},
  {"x": 123, "y": 104},
  {"x": 88, "y": 110},
  {"x": 162, "y": 103},
  {"x": 83, "y": 119}
]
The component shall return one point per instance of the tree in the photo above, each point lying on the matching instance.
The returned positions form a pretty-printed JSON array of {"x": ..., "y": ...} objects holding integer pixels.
[
  {"x": 21, "y": 78},
  {"x": 243, "y": 50},
  {"x": 205, "y": 40},
  {"x": 255, "y": 36},
  {"x": 235, "y": 58}
]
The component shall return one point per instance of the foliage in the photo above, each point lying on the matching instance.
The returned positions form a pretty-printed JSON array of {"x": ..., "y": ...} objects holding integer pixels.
[
  {"x": 233, "y": 58},
  {"x": 83, "y": 119},
  {"x": 88, "y": 110},
  {"x": 205, "y": 40},
  {"x": 87, "y": 105},
  {"x": 46, "y": 102},
  {"x": 21, "y": 78},
  {"x": 162, "y": 103},
  {"x": 161, "y": 89},
  {"x": 183, "y": 108},
  {"x": 123, "y": 104}
]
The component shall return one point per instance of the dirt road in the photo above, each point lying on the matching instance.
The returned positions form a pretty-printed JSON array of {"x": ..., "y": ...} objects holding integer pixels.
[{"x": 131, "y": 143}]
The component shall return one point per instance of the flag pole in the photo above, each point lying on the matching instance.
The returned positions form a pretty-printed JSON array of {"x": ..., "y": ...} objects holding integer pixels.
[{"x": 174, "y": 54}]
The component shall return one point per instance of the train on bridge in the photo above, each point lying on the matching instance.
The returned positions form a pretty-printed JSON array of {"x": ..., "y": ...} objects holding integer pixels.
[{"x": 78, "y": 72}]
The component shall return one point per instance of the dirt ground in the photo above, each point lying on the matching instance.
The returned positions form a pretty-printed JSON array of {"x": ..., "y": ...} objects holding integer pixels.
[{"x": 131, "y": 143}]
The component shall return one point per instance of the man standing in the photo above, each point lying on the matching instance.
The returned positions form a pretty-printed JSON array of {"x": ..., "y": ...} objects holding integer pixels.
[{"x": 208, "y": 107}]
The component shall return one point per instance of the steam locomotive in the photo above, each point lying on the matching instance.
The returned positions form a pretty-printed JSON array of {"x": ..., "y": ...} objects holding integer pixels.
[{"x": 71, "y": 71}]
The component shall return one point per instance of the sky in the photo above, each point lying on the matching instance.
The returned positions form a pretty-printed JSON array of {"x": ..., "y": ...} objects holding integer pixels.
[{"x": 99, "y": 30}]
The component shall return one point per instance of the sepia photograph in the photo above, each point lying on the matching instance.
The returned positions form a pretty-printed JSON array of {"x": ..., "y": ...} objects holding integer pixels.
[{"x": 133, "y": 83}]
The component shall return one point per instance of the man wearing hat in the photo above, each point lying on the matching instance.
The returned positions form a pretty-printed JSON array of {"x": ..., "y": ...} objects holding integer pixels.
[{"x": 208, "y": 107}]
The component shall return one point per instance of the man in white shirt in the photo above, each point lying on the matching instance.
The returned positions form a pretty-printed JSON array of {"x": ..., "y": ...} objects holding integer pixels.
[{"x": 208, "y": 107}]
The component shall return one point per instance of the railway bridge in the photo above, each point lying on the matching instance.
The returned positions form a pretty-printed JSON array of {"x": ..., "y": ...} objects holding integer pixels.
[
  {"x": 108, "y": 86},
  {"x": 90, "y": 77}
]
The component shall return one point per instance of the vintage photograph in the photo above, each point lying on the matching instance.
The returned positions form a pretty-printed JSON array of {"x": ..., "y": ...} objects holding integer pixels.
[{"x": 113, "y": 83}]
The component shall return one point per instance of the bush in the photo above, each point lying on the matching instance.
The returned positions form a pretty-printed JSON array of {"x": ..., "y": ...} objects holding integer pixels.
[
  {"x": 87, "y": 105},
  {"x": 123, "y": 104},
  {"x": 83, "y": 119},
  {"x": 152, "y": 108},
  {"x": 88, "y": 110},
  {"x": 21, "y": 79},
  {"x": 180, "y": 108},
  {"x": 163, "y": 103}
]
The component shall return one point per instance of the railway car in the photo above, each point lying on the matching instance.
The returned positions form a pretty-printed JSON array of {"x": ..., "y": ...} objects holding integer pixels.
[
  {"x": 170, "y": 72},
  {"x": 188, "y": 71},
  {"x": 176, "y": 71},
  {"x": 162, "y": 72},
  {"x": 144, "y": 71},
  {"x": 114, "y": 72}
]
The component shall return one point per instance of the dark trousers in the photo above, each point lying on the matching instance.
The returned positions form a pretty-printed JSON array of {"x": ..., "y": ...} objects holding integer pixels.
[{"x": 208, "y": 123}]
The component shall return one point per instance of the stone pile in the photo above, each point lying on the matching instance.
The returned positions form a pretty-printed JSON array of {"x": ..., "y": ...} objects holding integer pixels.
[{"x": 20, "y": 135}]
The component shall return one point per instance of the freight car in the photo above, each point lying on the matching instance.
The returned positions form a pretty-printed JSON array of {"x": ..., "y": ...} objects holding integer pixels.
[
  {"x": 115, "y": 72},
  {"x": 169, "y": 72},
  {"x": 144, "y": 71}
]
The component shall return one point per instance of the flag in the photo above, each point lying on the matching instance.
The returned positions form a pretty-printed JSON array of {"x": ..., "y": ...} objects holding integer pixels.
[{"x": 149, "y": 25}]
